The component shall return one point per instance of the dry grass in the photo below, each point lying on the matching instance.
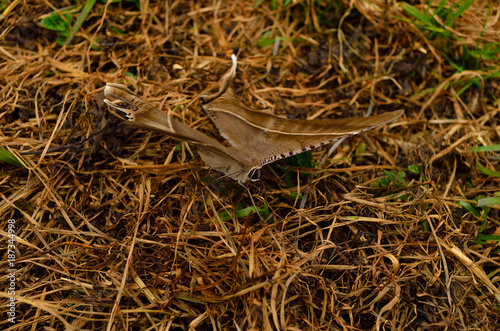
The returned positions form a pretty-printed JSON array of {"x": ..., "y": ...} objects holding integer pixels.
[{"x": 117, "y": 228}]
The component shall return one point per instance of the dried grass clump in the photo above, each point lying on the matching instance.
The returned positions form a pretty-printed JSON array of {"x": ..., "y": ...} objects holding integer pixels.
[{"x": 117, "y": 228}]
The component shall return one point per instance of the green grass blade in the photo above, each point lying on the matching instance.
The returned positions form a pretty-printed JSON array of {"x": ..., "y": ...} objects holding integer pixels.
[
  {"x": 440, "y": 11},
  {"x": 487, "y": 237},
  {"x": 469, "y": 208},
  {"x": 10, "y": 158},
  {"x": 461, "y": 9},
  {"x": 87, "y": 8},
  {"x": 486, "y": 171},
  {"x": 56, "y": 22},
  {"x": 490, "y": 201},
  {"x": 264, "y": 212},
  {"x": 473, "y": 81},
  {"x": 257, "y": 4},
  {"x": 492, "y": 148},
  {"x": 417, "y": 14}
]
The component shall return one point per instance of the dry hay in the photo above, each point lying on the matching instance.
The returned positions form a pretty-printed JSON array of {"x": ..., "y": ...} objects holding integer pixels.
[{"x": 119, "y": 228}]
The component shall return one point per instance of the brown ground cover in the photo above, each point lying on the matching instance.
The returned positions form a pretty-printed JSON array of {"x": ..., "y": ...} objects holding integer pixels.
[{"x": 120, "y": 228}]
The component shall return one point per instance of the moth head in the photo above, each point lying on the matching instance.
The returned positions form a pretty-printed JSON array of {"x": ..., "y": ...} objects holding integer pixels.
[{"x": 254, "y": 174}]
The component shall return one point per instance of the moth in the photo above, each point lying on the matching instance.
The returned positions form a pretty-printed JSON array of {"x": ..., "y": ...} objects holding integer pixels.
[{"x": 256, "y": 138}]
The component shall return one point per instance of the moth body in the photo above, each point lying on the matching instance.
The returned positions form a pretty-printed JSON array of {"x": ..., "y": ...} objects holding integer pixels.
[{"x": 256, "y": 138}]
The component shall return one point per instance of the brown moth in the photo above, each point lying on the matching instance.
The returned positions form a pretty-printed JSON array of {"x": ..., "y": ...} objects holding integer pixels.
[{"x": 256, "y": 138}]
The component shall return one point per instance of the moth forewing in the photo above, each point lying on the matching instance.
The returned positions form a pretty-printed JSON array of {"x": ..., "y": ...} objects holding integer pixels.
[
  {"x": 266, "y": 137},
  {"x": 296, "y": 139}
]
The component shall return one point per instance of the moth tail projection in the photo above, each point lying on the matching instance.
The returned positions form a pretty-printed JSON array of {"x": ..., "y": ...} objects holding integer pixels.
[
  {"x": 125, "y": 104},
  {"x": 146, "y": 116}
]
